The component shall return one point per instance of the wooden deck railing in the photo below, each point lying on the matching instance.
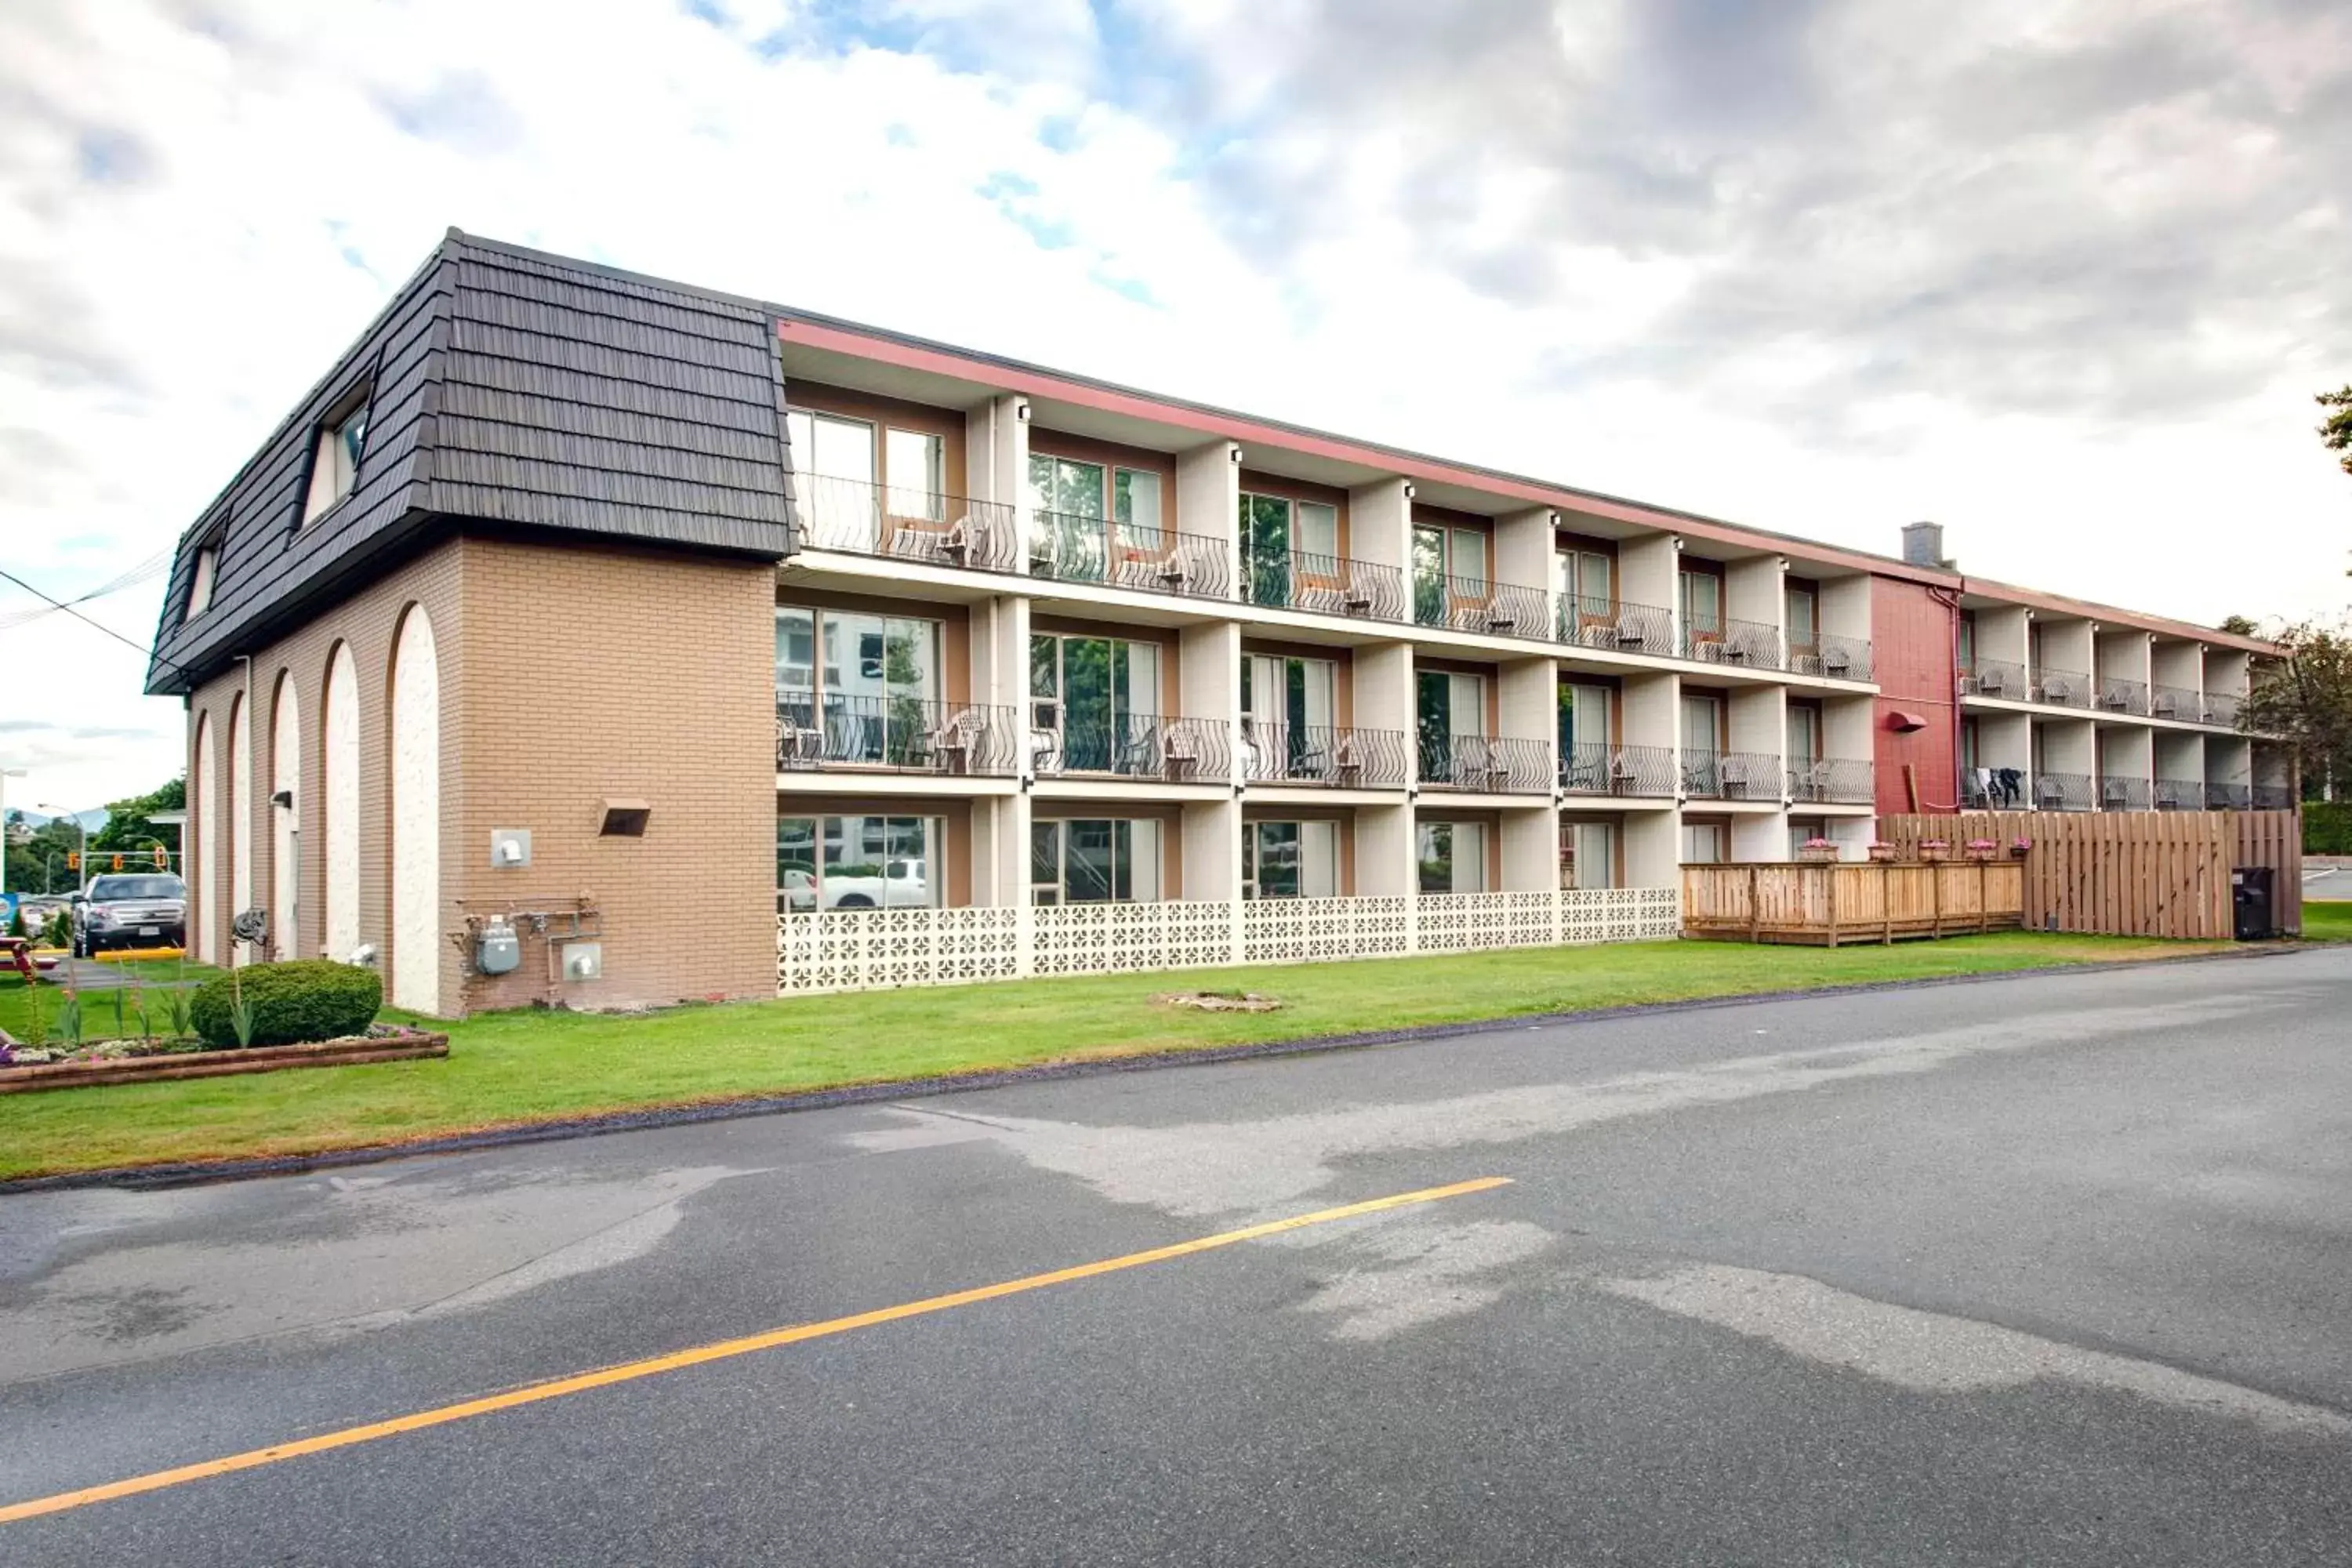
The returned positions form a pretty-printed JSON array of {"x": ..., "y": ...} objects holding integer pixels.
[{"x": 1837, "y": 904}]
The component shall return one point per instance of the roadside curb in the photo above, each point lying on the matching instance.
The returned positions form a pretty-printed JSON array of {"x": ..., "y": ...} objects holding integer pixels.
[{"x": 141, "y": 1178}]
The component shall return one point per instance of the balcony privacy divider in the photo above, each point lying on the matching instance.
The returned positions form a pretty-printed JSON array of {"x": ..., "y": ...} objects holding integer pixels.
[
  {"x": 857, "y": 950},
  {"x": 1067, "y": 547},
  {"x": 867, "y": 518},
  {"x": 1593, "y": 768}
]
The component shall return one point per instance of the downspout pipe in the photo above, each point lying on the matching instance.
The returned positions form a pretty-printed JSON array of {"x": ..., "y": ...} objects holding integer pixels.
[{"x": 1950, "y": 599}]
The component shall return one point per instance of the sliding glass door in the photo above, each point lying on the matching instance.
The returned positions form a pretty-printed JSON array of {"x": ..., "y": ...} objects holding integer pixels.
[
  {"x": 1286, "y": 713},
  {"x": 1094, "y": 703}
]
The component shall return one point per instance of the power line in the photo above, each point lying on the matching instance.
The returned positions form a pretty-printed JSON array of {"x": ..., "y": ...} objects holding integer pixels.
[
  {"x": 77, "y": 615},
  {"x": 154, "y": 566}
]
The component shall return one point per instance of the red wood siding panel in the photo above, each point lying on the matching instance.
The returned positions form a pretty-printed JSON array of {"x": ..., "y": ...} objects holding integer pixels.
[{"x": 1911, "y": 650}]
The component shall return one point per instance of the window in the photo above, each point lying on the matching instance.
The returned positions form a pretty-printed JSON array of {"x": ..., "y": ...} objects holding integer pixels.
[
  {"x": 1287, "y": 546},
  {"x": 1287, "y": 709},
  {"x": 1088, "y": 861},
  {"x": 1706, "y": 843},
  {"x": 200, "y": 589},
  {"x": 1702, "y": 743},
  {"x": 833, "y": 462},
  {"x": 1290, "y": 860},
  {"x": 1449, "y": 708},
  {"x": 1967, "y": 639},
  {"x": 1585, "y": 579},
  {"x": 335, "y": 460},
  {"x": 914, "y": 462},
  {"x": 1094, "y": 704},
  {"x": 1804, "y": 735},
  {"x": 857, "y": 688},
  {"x": 1972, "y": 746},
  {"x": 857, "y": 862},
  {"x": 1803, "y": 608},
  {"x": 1585, "y": 719},
  {"x": 1448, "y": 564},
  {"x": 1086, "y": 514},
  {"x": 1453, "y": 856},
  {"x": 1587, "y": 853},
  {"x": 1702, "y": 606},
  {"x": 1801, "y": 830}
]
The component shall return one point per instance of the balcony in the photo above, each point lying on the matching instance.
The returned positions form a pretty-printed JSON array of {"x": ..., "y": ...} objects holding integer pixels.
[
  {"x": 2062, "y": 791},
  {"x": 2062, "y": 687},
  {"x": 2229, "y": 796},
  {"x": 895, "y": 734},
  {"x": 2222, "y": 708},
  {"x": 1615, "y": 626},
  {"x": 1473, "y": 604},
  {"x": 1066, "y": 548},
  {"x": 899, "y": 524},
  {"x": 1837, "y": 657},
  {"x": 1336, "y": 758},
  {"x": 1142, "y": 746},
  {"x": 2123, "y": 794},
  {"x": 2274, "y": 797},
  {"x": 1731, "y": 776},
  {"x": 1994, "y": 677},
  {"x": 2179, "y": 794},
  {"x": 1715, "y": 640},
  {"x": 1591, "y": 768},
  {"x": 2120, "y": 694},
  {"x": 2176, "y": 702},
  {"x": 1833, "y": 781},
  {"x": 1487, "y": 764},
  {"x": 1324, "y": 584}
]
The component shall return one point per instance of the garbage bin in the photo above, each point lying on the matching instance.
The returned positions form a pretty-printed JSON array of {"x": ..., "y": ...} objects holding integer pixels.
[{"x": 2250, "y": 898}]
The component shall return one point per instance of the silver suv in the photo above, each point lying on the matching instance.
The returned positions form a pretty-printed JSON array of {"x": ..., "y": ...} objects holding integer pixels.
[{"x": 146, "y": 909}]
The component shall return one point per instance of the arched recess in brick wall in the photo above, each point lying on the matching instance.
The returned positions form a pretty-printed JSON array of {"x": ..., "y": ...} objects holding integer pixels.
[
  {"x": 416, "y": 815},
  {"x": 203, "y": 878},
  {"x": 339, "y": 805},
  {"x": 285, "y": 834},
  {"x": 240, "y": 819}
]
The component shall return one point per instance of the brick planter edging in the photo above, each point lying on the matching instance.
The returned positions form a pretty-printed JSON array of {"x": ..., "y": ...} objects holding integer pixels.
[{"x": 220, "y": 1064}]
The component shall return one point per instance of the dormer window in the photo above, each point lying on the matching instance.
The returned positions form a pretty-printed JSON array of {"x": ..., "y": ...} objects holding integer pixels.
[
  {"x": 335, "y": 464},
  {"x": 199, "y": 591}
]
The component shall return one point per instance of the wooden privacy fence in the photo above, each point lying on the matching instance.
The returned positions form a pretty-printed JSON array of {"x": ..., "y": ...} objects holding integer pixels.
[
  {"x": 1831, "y": 905},
  {"x": 2131, "y": 873}
]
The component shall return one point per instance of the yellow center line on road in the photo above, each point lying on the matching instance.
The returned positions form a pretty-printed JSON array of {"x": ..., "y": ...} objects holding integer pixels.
[{"x": 677, "y": 1360}]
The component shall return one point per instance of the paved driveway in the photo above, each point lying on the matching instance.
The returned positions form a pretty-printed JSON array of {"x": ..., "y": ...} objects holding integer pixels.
[{"x": 2048, "y": 1270}]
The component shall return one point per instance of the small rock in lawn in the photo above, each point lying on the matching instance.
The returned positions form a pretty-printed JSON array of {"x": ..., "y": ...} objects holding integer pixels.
[{"x": 1221, "y": 1001}]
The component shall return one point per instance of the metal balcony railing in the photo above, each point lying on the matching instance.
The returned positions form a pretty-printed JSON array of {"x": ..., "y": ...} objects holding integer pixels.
[
  {"x": 1994, "y": 677},
  {"x": 2179, "y": 794},
  {"x": 2122, "y": 793},
  {"x": 2062, "y": 687},
  {"x": 1838, "y": 658},
  {"x": 1068, "y": 548},
  {"x": 2228, "y": 796},
  {"x": 1713, "y": 639},
  {"x": 1325, "y": 584},
  {"x": 868, "y": 519},
  {"x": 1732, "y": 776},
  {"x": 2222, "y": 708},
  {"x": 1833, "y": 781},
  {"x": 1133, "y": 746},
  {"x": 1614, "y": 626},
  {"x": 2176, "y": 702},
  {"x": 1992, "y": 789},
  {"x": 2274, "y": 797},
  {"x": 1476, "y": 604},
  {"x": 1591, "y": 767},
  {"x": 2121, "y": 694},
  {"x": 1489, "y": 764},
  {"x": 895, "y": 734},
  {"x": 2063, "y": 791},
  {"x": 1341, "y": 758}
]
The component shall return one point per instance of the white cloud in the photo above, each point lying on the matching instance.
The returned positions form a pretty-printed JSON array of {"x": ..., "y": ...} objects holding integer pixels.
[{"x": 1367, "y": 224}]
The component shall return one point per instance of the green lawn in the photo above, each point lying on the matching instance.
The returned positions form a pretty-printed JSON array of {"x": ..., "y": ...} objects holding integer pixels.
[
  {"x": 519, "y": 1067},
  {"x": 2327, "y": 921}
]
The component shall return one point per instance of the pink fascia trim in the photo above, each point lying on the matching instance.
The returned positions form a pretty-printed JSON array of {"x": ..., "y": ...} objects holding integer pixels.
[{"x": 1036, "y": 384}]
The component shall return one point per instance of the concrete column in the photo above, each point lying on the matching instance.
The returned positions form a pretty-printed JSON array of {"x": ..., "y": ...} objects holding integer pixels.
[
  {"x": 1755, "y": 590},
  {"x": 1380, "y": 523},
  {"x": 1385, "y": 866},
  {"x": 2067, "y": 649},
  {"x": 1213, "y": 849},
  {"x": 1758, "y": 722},
  {"x": 1383, "y": 690},
  {"x": 1645, "y": 573},
  {"x": 1209, "y": 497},
  {"x": 1845, "y": 606},
  {"x": 1648, "y": 710},
  {"x": 2180, "y": 760},
  {"x": 1524, "y": 545},
  {"x": 2126, "y": 751},
  {"x": 1530, "y": 843},
  {"x": 1209, "y": 682},
  {"x": 2123, "y": 654},
  {"x": 2002, "y": 634},
  {"x": 1846, "y": 726},
  {"x": 1653, "y": 849},
  {"x": 2227, "y": 670},
  {"x": 996, "y": 465},
  {"x": 999, "y": 849},
  {"x": 1526, "y": 702},
  {"x": 2067, "y": 746}
]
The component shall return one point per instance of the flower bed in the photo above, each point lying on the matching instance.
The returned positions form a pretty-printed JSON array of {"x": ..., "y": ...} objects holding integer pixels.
[{"x": 136, "y": 1061}]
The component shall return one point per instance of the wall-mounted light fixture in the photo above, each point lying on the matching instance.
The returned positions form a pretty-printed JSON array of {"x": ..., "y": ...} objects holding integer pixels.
[
  {"x": 1409, "y": 491},
  {"x": 1553, "y": 518},
  {"x": 1235, "y": 454},
  {"x": 1021, "y": 410}
]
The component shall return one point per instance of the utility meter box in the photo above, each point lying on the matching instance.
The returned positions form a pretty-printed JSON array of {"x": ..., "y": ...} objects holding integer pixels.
[
  {"x": 498, "y": 951},
  {"x": 584, "y": 961}
]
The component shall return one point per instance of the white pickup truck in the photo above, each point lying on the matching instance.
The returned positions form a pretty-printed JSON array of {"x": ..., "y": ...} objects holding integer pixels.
[{"x": 901, "y": 885}]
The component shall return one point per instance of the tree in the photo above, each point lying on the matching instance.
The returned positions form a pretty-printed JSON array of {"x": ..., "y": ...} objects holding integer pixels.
[
  {"x": 2335, "y": 430},
  {"x": 2307, "y": 699},
  {"x": 39, "y": 864},
  {"x": 127, "y": 824}
]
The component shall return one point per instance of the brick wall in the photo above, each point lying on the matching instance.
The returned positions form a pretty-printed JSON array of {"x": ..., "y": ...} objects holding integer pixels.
[
  {"x": 1911, "y": 650},
  {"x": 567, "y": 675}
]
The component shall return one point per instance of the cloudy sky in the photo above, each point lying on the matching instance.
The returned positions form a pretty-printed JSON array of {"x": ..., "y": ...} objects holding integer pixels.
[{"x": 2061, "y": 276}]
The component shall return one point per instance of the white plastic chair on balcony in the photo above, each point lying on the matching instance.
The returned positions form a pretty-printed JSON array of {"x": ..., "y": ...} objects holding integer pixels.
[
  {"x": 1732, "y": 772},
  {"x": 953, "y": 742}
]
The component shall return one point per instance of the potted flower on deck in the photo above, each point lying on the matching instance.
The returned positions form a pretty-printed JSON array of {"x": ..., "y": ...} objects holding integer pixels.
[
  {"x": 1881, "y": 853},
  {"x": 1817, "y": 851},
  {"x": 1983, "y": 849},
  {"x": 1935, "y": 849},
  {"x": 2019, "y": 849}
]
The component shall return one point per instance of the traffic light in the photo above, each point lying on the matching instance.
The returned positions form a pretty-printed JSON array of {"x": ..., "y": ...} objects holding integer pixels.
[
  {"x": 73, "y": 860},
  {"x": 117, "y": 862},
  {"x": 163, "y": 858}
]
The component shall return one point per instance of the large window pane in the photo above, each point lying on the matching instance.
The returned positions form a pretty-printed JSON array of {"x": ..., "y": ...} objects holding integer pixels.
[
  {"x": 1086, "y": 865},
  {"x": 1278, "y": 859},
  {"x": 1466, "y": 557},
  {"x": 1265, "y": 547},
  {"x": 1469, "y": 856},
  {"x": 915, "y": 463},
  {"x": 909, "y": 876},
  {"x": 1045, "y": 862},
  {"x": 1434, "y": 846},
  {"x": 1318, "y": 531},
  {"x": 796, "y": 864},
  {"x": 1135, "y": 506},
  {"x": 1319, "y": 860}
]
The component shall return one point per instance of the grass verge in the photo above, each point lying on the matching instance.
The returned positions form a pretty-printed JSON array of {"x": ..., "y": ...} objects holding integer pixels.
[
  {"x": 2327, "y": 920},
  {"x": 506, "y": 1068}
]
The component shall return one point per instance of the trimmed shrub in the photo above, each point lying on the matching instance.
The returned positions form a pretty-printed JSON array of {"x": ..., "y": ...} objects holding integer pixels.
[
  {"x": 2328, "y": 826},
  {"x": 297, "y": 1000}
]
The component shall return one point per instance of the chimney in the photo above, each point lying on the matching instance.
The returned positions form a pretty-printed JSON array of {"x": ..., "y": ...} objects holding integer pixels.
[{"x": 1923, "y": 544}]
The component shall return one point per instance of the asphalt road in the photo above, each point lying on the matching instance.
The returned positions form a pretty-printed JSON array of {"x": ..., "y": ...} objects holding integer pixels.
[{"x": 2048, "y": 1270}]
